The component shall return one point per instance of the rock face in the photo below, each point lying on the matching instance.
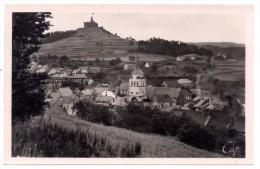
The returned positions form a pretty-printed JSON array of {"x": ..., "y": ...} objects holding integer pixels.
[{"x": 90, "y": 41}]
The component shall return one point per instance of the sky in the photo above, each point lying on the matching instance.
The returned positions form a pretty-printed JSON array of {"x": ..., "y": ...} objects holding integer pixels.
[{"x": 186, "y": 27}]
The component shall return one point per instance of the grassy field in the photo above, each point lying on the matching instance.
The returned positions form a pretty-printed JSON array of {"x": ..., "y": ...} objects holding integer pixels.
[{"x": 152, "y": 145}]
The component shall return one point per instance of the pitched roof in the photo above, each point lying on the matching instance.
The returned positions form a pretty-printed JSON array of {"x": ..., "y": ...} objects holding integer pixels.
[
  {"x": 124, "y": 86},
  {"x": 200, "y": 103},
  {"x": 171, "y": 82},
  {"x": 79, "y": 76},
  {"x": 137, "y": 71},
  {"x": 87, "y": 92},
  {"x": 99, "y": 90},
  {"x": 184, "y": 81},
  {"x": 104, "y": 98},
  {"x": 162, "y": 99},
  {"x": 150, "y": 90},
  {"x": 172, "y": 92},
  {"x": 66, "y": 91}
]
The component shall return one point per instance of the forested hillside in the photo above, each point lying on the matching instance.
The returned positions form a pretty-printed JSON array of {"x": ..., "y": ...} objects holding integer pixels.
[{"x": 173, "y": 48}]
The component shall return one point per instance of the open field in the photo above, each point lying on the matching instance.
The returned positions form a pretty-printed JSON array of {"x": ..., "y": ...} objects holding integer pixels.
[{"x": 152, "y": 145}]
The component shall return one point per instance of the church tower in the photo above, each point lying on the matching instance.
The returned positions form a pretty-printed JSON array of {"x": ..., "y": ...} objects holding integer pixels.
[{"x": 137, "y": 84}]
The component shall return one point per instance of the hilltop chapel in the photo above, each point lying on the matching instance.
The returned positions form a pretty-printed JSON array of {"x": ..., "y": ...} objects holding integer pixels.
[{"x": 91, "y": 24}]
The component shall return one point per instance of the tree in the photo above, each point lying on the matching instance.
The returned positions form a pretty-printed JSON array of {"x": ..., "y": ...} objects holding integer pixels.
[{"x": 28, "y": 94}]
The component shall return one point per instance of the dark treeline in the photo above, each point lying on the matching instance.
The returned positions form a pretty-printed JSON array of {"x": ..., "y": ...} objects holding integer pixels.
[
  {"x": 173, "y": 48},
  {"x": 58, "y": 35}
]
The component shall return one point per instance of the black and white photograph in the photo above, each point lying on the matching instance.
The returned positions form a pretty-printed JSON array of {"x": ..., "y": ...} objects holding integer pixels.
[{"x": 129, "y": 82}]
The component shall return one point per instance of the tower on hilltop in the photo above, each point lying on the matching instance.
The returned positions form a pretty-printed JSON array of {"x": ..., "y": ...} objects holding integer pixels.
[
  {"x": 137, "y": 84},
  {"x": 91, "y": 24}
]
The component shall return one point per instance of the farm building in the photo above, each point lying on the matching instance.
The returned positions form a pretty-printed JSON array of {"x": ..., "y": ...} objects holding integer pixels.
[
  {"x": 170, "y": 83},
  {"x": 80, "y": 78},
  {"x": 65, "y": 91},
  {"x": 108, "y": 93},
  {"x": 104, "y": 100},
  {"x": 98, "y": 90},
  {"x": 185, "y": 83}
]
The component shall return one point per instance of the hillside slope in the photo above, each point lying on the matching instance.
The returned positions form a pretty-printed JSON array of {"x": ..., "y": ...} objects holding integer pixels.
[
  {"x": 152, "y": 145},
  {"x": 88, "y": 42}
]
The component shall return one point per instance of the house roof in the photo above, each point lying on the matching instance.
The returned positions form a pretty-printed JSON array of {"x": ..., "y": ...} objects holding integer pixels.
[
  {"x": 53, "y": 71},
  {"x": 99, "y": 90},
  {"x": 104, "y": 98},
  {"x": 150, "y": 90},
  {"x": 59, "y": 75},
  {"x": 87, "y": 92},
  {"x": 172, "y": 92},
  {"x": 124, "y": 86},
  {"x": 171, "y": 82},
  {"x": 184, "y": 81},
  {"x": 196, "y": 98},
  {"x": 137, "y": 71},
  {"x": 162, "y": 99},
  {"x": 186, "y": 93},
  {"x": 78, "y": 76},
  {"x": 66, "y": 91},
  {"x": 200, "y": 103}
]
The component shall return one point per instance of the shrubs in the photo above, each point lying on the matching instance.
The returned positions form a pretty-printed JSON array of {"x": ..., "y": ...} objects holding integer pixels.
[{"x": 93, "y": 113}]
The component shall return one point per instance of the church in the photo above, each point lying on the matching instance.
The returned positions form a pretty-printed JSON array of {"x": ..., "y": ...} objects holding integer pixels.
[
  {"x": 91, "y": 24},
  {"x": 137, "y": 85}
]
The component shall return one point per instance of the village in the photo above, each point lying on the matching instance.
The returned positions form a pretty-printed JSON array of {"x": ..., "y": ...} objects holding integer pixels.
[{"x": 117, "y": 83}]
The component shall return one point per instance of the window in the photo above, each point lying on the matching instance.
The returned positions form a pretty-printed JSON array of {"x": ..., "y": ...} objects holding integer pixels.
[
  {"x": 131, "y": 92},
  {"x": 131, "y": 83},
  {"x": 136, "y": 92},
  {"x": 137, "y": 83}
]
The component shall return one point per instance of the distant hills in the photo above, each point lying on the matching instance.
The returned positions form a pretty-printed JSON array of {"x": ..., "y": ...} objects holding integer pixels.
[{"x": 235, "y": 50}]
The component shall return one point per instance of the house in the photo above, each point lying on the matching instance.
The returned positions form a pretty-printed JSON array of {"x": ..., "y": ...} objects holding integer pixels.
[
  {"x": 162, "y": 101},
  {"x": 104, "y": 100},
  {"x": 172, "y": 92},
  {"x": 87, "y": 92},
  {"x": 218, "y": 104},
  {"x": 76, "y": 71},
  {"x": 94, "y": 69},
  {"x": 98, "y": 90},
  {"x": 80, "y": 78},
  {"x": 84, "y": 69},
  {"x": 219, "y": 57},
  {"x": 90, "y": 81},
  {"x": 53, "y": 71},
  {"x": 146, "y": 65},
  {"x": 129, "y": 66},
  {"x": 68, "y": 71},
  {"x": 58, "y": 78},
  {"x": 124, "y": 88},
  {"x": 185, "y": 83},
  {"x": 65, "y": 91},
  {"x": 108, "y": 93},
  {"x": 120, "y": 101},
  {"x": 203, "y": 103},
  {"x": 68, "y": 106},
  {"x": 180, "y": 59},
  {"x": 42, "y": 70},
  {"x": 170, "y": 83},
  {"x": 184, "y": 96}
]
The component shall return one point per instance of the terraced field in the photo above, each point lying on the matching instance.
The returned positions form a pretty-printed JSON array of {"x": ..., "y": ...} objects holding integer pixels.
[
  {"x": 229, "y": 70},
  {"x": 91, "y": 42}
]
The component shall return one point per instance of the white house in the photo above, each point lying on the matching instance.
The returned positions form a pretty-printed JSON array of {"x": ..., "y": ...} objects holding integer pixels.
[
  {"x": 108, "y": 93},
  {"x": 90, "y": 81},
  {"x": 146, "y": 65}
]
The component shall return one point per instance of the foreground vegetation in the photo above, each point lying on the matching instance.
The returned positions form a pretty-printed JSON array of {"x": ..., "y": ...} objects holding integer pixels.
[
  {"x": 151, "y": 145},
  {"x": 147, "y": 120}
]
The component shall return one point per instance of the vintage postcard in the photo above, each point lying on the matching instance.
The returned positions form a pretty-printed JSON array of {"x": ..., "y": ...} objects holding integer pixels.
[{"x": 128, "y": 84}]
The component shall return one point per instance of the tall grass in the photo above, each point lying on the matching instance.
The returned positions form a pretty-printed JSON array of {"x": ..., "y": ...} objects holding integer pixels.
[
  {"x": 51, "y": 140},
  {"x": 126, "y": 143}
]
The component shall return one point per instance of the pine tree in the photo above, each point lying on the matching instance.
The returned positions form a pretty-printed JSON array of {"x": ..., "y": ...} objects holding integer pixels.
[{"x": 28, "y": 92}]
